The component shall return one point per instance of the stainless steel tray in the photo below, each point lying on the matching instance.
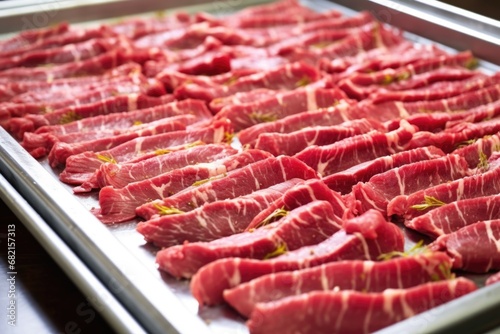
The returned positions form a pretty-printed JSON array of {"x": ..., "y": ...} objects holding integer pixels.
[{"x": 118, "y": 256}]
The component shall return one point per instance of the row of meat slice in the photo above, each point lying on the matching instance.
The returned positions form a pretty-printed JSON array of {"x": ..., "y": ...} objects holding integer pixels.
[{"x": 279, "y": 80}]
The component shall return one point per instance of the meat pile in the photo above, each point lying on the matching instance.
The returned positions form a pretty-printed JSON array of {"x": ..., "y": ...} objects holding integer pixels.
[{"x": 274, "y": 155}]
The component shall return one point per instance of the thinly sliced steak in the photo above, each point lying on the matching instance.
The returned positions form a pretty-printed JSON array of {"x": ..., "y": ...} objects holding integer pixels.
[
  {"x": 365, "y": 276},
  {"x": 344, "y": 181},
  {"x": 326, "y": 116},
  {"x": 288, "y": 76},
  {"x": 363, "y": 238},
  {"x": 120, "y": 175},
  {"x": 485, "y": 147},
  {"x": 259, "y": 175},
  {"x": 371, "y": 311},
  {"x": 474, "y": 248},
  {"x": 495, "y": 278},
  {"x": 306, "y": 192},
  {"x": 453, "y": 216},
  {"x": 438, "y": 90},
  {"x": 407, "y": 179},
  {"x": 118, "y": 205},
  {"x": 294, "y": 142},
  {"x": 212, "y": 220},
  {"x": 306, "y": 225},
  {"x": 450, "y": 139},
  {"x": 349, "y": 152},
  {"x": 281, "y": 105},
  {"x": 80, "y": 168},
  {"x": 420, "y": 202},
  {"x": 61, "y": 151},
  {"x": 17, "y": 126},
  {"x": 420, "y": 73}
]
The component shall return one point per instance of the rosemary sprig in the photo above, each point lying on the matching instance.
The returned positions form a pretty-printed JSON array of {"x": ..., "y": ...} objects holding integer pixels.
[
  {"x": 444, "y": 272},
  {"x": 304, "y": 81},
  {"x": 216, "y": 177},
  {"x": 108, "y": 158},
  {"x": 165, "y": 210},
  {"x": 160, "y": 14},
  {"x": 321, "y": 45},
  {"x": 232, "y": 79},
  {"x": 280, "y": 250},
  {"x": 472, "y": 64},
  {"x": 46, "y": 109},
  {"x": 278, "y": 213},
  {"x": 162, "y": 151},
  {"x": 483, "y": 161},
  {"x": 418, "y": 248},
  {"x": 263, "y": 118},
  {"x": 429, "y": 202},
  {"x": 467, "y": 143},
  {"x": 228, "y": 137},
  {"x": 69, "y": 117},
  {"x": 193, "y": 144}
]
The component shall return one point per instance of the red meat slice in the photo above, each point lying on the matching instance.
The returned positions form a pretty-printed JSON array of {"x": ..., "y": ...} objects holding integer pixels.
[
  {"x": 326, "y": 116},
  {"x": 419, "y": 73},
  {"x": 109, "y": 125},
  {"x": 294, "y": 142},
  {"x": 349, "y": 152},
  {"x": 61, "y": 151},
  {"x": 313, "y": 39},
  {"x": 212, "y": 220},
  {"x": 453, "y": 216},
  {"x": 365, "y": 276},
  {"x": 53, "y": 99},
  {"x": 118, "y": 205},
  {"x": 372, "y": 311},
  {"x": 48, "y": 101},
  {"x": 344, "y": 181},
  {"x": 465, "y": 101},
  {"x": 301, "y": 194},
  {"x": 450, "y": 139},
  {"x": 92, "y": 66},
  {"x": 242, "y": 98},
  {"x": 289, "y": 17},
  {"x": 271, "y": 35},
  {"x": 120, "y": 175},
  {"x": 60, "y": 36},
  {"x": 438, "y": 90},
  {"x": 482, "y": 146},
  {"x": 121, "y": 103},
  {"x": 60, "y": 55},
  {"x": 473, "y": 248},
  {"x": 370, "y": 37},
  {"x": 363, "y": 238},
  {"x": 288, "y": 76},
  {"x": 477, "y": 185},
  {"x": 268, "y": 8},
  {"x": 81, "y": 168},
  {"x": 306, "y": 225},
  {"x": 493, "y": 279},
  {"x": 377, "y": 59},
  {"x": 24, "y": 39},
  {"x": 135, "y": 28},
  {"x": 174, "y": 79},
  {"x": 259, "y": 175},
  {"x": 281, "y": 105},
  {"x": 11, "y": 89},
  {"x": 406, "y": 180},
  {"x": 437, "y": 121}
]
